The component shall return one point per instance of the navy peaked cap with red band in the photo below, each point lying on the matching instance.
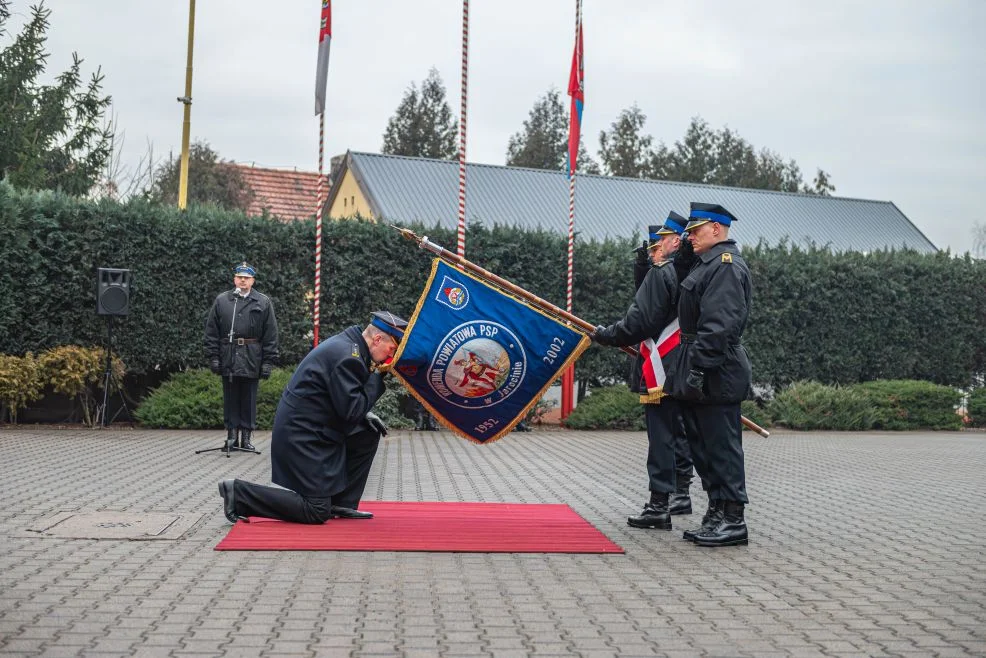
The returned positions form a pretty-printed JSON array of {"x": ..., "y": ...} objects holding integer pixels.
[
  {"x": 389, "y": 323},
  {"x": 702, "y": 213}
]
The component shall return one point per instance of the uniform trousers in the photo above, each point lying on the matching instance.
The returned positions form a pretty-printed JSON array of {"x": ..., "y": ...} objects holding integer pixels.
[
  {"x": 715, "y": 437},
  {"x": 240, "y": 402},
  {"x": 682, "y": 454},
  {"x": 276, "y": 503},
  {"x": 661, "y": 421}
]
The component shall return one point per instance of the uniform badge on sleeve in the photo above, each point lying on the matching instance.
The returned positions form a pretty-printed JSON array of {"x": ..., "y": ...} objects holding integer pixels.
[{"x": 727, "y": 258}]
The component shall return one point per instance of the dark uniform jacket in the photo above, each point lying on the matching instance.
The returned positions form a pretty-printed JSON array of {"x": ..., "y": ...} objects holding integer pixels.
[
  {"x": 327, "y": 397},
  {"x": 252, "y": 319},
  {"x": 713, "y": 306},
  {"x": 652, "y": 310}
]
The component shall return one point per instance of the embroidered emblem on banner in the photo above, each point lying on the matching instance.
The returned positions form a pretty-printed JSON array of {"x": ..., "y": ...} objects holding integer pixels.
[
  {"x": 453, "y": 294},
  {"x": 478, "y": 364}
]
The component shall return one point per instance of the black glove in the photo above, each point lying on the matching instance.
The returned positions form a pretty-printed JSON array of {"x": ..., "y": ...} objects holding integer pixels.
[
  {"x": 215, "y": 367},
  {"x": 684, "y": 258},
  {"x": 696, "y": 380},
  {"x": 641, "y": 252},
  {"x": 376, "y": 423},
  {"x": 265, "y": 370},
  {"x": 600, "y": 335}
]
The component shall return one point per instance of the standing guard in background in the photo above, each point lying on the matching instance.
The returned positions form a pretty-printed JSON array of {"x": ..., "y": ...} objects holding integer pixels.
[
  {"x": 712, "y": 375},
  {"x": 651, "y": 317},
  {"x": 241, "y": 346}
]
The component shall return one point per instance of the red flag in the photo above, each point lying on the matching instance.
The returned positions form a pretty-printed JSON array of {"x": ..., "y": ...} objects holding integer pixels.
[
  {"x": 322, "y": 70},
  {"x": 576, "y": 89}
]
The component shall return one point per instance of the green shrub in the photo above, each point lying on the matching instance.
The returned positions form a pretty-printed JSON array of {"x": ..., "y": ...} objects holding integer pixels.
[
  {"x": 20, "y": 383},
  {"x": 912, "y": 405},
  {"x": 755, "y": 413},
  {"x": 78, "y": 372},
  {"x": 194, "y": 400},
  {"x": 609, "y": 408},
  {"x": 977, "y": 407},
  {"x": 814, "y": 406},
  {"x": 388, "y": 407}
]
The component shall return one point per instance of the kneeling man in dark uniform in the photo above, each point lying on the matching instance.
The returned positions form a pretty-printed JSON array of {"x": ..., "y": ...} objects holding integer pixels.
[{"x": 325, "y": 436}]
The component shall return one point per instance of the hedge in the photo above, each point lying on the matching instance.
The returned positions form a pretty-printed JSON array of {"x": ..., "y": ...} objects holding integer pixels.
[
  {"x": 977, "y": 407},
  {"x": 831, "y": 318}
]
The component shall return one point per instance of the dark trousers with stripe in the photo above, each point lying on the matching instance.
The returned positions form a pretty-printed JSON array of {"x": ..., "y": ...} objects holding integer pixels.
[
  {"x": 276, "y": 503},
  {"x": 715, "y": 436},
  {"x": 240, "y": 402}
]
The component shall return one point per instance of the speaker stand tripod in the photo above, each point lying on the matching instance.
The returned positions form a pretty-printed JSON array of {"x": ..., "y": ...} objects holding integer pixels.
[
  {"x": 226, "y": 448},
  {"x": 110, "y": 379}
]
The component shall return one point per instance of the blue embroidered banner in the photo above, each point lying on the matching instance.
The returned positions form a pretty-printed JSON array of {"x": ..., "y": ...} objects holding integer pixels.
[{"x": 479, "y": 359}]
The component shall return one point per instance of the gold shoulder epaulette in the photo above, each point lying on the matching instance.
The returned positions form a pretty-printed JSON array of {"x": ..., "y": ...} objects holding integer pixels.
[
  {"x": 355, "y": 350},
  {"x": 727, "y": 258}
]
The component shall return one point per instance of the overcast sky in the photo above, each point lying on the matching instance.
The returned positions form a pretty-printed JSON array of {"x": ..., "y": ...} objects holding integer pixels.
[{"x": 887, "y": 96}]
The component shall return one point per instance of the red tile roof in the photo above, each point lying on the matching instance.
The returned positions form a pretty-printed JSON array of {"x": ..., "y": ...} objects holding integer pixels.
[{"x": 284, "y": 193}]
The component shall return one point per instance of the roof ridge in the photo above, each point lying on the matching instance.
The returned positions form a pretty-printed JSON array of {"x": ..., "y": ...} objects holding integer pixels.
[{"x": 709, "y": 186}]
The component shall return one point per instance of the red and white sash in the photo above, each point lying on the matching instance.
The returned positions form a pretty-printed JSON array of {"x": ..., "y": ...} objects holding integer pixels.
[{"x": 653, "y": 369}]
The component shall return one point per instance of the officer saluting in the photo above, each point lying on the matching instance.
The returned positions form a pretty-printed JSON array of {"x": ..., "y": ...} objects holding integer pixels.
[{"x": 713, "y": 374}]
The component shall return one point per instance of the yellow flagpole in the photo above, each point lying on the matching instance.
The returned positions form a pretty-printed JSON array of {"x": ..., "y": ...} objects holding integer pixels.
[{"x": 186, "y": 100}]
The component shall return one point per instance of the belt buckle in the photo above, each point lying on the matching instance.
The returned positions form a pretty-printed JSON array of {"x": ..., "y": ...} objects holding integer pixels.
[{"x": 240, "y": 342}]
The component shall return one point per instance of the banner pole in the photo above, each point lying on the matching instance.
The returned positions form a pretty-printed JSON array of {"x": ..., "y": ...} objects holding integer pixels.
[{"x": 512, "y": 288}]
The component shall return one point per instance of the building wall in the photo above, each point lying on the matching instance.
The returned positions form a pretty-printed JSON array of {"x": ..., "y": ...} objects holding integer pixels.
[{"x": 349, "y": 201}]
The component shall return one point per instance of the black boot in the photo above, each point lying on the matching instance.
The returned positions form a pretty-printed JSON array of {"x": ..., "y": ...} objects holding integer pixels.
[
  {"x": 230, "y": 439},
  {"x": 245, "y": 440},
  {"x": 655, "y": 514},
  {"x": 229, "y": 501},
  {"x": 681, "y": 502},
  {"x": 731, "y": 531},
  {"x": 712, "y": 517}
]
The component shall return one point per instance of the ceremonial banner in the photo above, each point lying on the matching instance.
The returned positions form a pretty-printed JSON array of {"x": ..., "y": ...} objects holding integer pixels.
[{"x": 479, "y": 359}]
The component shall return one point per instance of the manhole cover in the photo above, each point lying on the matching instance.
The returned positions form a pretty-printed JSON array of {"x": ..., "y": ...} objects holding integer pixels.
[{"x": 115, "y": 525}]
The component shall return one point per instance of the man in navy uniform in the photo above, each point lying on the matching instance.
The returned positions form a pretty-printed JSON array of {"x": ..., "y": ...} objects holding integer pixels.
[
  {"x": 712, "y": 374},
  {"x": 325, "y": 436},
  {"x": 649, "y": 316},
  {"x": 241, "y": 345}
]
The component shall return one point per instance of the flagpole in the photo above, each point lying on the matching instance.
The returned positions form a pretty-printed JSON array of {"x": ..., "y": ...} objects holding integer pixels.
[
  {"x": 321, "y": 79},
  {"x": 461, "y": 231},
  {"x": 568, "y": 377},
  {"x": 186, "y": 100},
  {"x": 320, "y": 201}
]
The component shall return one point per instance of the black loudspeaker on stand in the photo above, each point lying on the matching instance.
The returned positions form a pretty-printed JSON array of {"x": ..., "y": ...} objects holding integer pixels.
[{"x": 112, "y": 300}]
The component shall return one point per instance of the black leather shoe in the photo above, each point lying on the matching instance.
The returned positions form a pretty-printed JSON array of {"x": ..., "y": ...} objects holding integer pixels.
[
  {"x": 655, "y": 514},
  {"x": 230, "y": 440},
  {"x": 680, "y": 503},
  {"x": 245, "y": 440},
  {"x": 339, "y": 512},
  {"x": 731, "y": 531},
  {"x": 712, "y": 517},
  {"x": 229, "y": 502}
]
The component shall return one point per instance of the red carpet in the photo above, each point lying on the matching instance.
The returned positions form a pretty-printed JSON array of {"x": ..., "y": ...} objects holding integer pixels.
[{"x": 438, "y": 527}]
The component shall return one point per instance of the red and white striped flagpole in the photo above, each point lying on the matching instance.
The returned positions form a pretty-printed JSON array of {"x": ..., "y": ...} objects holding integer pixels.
[
  {"x": 461, "y": 241},
  {"x": 568, "y": 378},
  {"x": 320, "y": 197}
]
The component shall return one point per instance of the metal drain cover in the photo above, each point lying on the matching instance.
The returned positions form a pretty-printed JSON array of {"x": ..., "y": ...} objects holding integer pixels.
[{"x": 115, "y": 525}]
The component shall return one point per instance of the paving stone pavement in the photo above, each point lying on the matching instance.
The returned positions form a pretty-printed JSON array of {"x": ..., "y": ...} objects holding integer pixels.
[{"x": 861, "y": 545}]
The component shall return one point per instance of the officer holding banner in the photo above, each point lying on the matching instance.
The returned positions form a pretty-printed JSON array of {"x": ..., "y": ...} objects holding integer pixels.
[
  {"x": 325, "y": 436},
  {"x": 650, "y": 323},
  {"x": 712, "y": 373}
]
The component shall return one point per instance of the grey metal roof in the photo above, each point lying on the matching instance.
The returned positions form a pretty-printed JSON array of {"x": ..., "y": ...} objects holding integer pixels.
[{"x": 408, "y": 189}]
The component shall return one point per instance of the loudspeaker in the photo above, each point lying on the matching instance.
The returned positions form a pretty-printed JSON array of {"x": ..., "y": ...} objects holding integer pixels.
[{"x": 112, "y": 291}]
